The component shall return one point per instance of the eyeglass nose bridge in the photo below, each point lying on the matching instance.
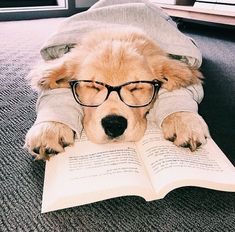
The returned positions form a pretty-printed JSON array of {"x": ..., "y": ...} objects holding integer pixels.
[{"x": 113, "y": 89}]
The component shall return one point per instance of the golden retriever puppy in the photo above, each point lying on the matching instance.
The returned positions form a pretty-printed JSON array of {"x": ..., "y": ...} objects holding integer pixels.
[{"x": 115, "y": 75}]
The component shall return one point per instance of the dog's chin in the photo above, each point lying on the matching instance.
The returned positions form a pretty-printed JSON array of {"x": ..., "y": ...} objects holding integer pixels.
[
  {"x": 107, "y": 139},
  {"x": 103, "y": 139},
  {"x": 128, "y": 136}
]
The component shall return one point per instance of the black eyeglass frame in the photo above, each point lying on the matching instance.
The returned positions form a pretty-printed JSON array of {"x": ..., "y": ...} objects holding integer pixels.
[{"x": 156, "y": 84}]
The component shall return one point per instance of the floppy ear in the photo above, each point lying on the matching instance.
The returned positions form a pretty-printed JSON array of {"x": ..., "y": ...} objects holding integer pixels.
[
  {"x": 53, "y": 74},
  {"x": 174, "y": 73}
]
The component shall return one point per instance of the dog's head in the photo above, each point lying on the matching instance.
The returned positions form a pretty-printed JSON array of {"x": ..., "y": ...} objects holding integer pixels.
[{"x": 118, "y": 68}]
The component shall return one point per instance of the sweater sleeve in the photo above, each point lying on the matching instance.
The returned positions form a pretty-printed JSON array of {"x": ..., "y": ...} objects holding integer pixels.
[
  {"x": 183, "y": 99},
  {"x": 59, "y": 105}
]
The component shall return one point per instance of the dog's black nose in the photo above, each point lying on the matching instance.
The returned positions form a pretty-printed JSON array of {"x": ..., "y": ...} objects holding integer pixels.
[{"x": 114, "y": 125}]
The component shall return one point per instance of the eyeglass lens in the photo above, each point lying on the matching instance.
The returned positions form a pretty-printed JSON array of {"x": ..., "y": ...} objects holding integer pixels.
[
  {"x": 137, "y": 94},
  {"x": 91, "y": 93}
]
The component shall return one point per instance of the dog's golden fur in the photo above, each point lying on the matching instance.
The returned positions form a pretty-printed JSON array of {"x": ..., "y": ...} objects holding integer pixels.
[
  {"x": 115, "y": 56},
  {"x": 115, "y": 53}
]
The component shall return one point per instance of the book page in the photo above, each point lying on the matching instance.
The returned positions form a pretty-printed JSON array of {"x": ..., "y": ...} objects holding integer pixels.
[
  {"x": 90, "y": 172},
  {"x": 171, "y": 167}
]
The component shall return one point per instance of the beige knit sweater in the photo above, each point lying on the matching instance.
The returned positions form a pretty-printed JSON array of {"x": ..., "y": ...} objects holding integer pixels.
[
  {"x": 136, "y": 13},
  {"x": 59, "y": 105}
]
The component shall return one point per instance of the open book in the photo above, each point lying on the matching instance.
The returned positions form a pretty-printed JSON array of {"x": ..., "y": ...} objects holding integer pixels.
[{"x": 150, "y": 168}]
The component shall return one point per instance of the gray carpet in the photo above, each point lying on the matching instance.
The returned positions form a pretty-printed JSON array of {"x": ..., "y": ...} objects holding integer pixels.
[{"x": 21, "y": 179}]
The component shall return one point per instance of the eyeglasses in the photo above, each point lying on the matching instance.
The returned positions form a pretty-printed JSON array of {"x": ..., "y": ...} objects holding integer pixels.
[{"x": 134, "y": 94}]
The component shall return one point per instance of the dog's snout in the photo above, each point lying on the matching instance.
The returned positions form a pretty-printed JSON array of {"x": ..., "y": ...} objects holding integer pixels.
[{"x": 114, "y": 125}]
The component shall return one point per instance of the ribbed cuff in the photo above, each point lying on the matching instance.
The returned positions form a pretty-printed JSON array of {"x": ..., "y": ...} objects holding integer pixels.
[
  {"x": 58, "y": 105},
  {"x": 184, "y": 99}
]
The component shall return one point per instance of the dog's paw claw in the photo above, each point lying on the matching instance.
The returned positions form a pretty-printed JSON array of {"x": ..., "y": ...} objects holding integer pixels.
[
  {"x": 172, "y": 138},
  {"x": 192, "y": 145},
  {"x": 50, "y": 151},
  {"x": 63, "y": 143},
  {"x": 198, "y": 144},
  {"x": 36, "y": 150},
  {"x": 46, "y": 155},
  {"x": 186, "y": 145}
]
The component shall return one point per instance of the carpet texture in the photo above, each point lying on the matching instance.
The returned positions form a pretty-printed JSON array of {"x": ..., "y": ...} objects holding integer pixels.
[{"x": 21, "y": 179}]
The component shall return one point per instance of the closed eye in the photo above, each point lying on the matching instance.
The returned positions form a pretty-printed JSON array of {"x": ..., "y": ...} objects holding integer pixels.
[
  {"x": 95, "y": 88},
  {"x": 135, "y": 89}
]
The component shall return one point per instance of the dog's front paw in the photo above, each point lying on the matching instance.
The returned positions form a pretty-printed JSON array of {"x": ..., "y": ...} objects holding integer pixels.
[
  {"x": 47, "y": 139},
  {"x": 185, "y": 129}
]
